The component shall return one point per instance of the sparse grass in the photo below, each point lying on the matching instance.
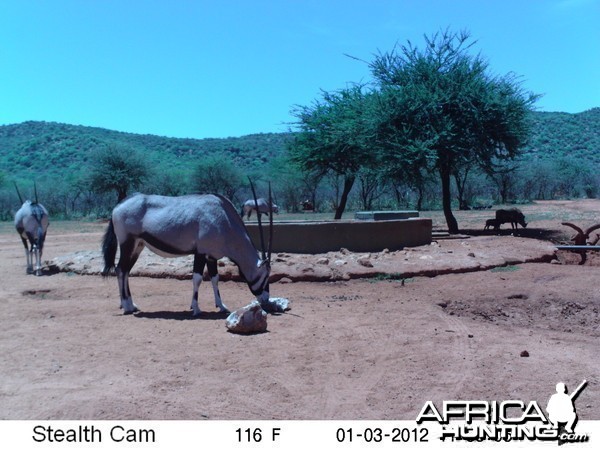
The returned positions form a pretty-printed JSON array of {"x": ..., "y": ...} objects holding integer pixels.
[
  {"x": 60, "y": 226},
  {"x": 396, "y": 276},
  {"x": 505, "y": 269}
]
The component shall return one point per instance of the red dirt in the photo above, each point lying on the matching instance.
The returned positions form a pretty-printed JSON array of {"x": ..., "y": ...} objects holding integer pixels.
[{"x": 351, "y": 348}]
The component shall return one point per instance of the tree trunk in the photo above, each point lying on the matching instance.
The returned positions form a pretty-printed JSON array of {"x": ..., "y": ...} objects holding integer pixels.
[
  {"x": 348, "y": 183},
  {"x": 447, "y": 201},
  {"x": 460, "y": 188},
  {"x": 421, "y": 193},
  {"x": 121, "y": 194}
]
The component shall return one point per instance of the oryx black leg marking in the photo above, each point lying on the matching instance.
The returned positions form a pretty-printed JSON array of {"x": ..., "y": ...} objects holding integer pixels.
[
  {"x": 32, "y": 252},
  {"x": 27, "y": 254},
  {"x": 38, "y": 248},
  {"x": 199, "y": 263},
  {"x": 214, "y": 278},
  {"x": 130, "y": 251}
]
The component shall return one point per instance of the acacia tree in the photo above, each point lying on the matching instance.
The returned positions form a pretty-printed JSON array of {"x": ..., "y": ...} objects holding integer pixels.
[
  {"x": 336, "y": 136},
  {"x": 444, "y": 107},
  {"x": 117, "y": 169},
  {"x": 217, "y": 174}
]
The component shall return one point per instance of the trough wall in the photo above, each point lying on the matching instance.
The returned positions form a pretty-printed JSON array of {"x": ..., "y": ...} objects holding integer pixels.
[
  {"x": 385, "y": 215},
  {"x": 357, "y": 236}
]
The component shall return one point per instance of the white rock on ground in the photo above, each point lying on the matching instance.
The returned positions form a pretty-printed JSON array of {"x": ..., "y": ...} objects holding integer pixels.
[{"x": 249, "y": 319}]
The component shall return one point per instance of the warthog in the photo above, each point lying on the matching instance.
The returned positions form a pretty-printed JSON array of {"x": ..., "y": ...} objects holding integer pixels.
[
  {"x": 491, "y": 223},
  {"x": 512, "y": 215}
]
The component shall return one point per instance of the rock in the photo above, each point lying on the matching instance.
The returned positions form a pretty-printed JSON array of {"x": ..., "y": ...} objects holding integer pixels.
[
  {"x": 249, "y": 319},
  {"x": 364, "y": 261},
  {"x": 524, "y": 354},
  {"x": 276, "y": 304},
  {"x": 323, "y": 260}
]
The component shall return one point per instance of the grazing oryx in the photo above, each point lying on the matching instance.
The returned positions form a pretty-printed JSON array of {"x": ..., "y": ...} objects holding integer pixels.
[
  {"x": 31, "y": 222},
  {"x": 206, "y": 226},
  {"x": 261, "y": 206}
]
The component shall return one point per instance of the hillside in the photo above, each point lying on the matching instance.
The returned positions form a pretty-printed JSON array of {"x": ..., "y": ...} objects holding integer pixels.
[
  {"x": 559, "y": 162},
  {"x": 556, "y": 134},
  {"x": 48, "y": 150},
  {"x": 45, "y": 149}
]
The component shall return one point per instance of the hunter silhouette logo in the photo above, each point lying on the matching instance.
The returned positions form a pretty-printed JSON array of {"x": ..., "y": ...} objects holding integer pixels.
[
  {"x": 561, "y": 408},
  {"x": 480, "y": 420}
]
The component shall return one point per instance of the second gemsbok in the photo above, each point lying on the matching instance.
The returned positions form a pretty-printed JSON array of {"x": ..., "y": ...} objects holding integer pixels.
[
  {"x": 31, "y": 222},
  {"x": 206, "y": 226}
]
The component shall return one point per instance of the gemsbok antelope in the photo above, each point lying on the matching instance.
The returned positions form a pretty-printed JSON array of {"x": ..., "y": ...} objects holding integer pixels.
[
  {"x": 261, "y": 206},
  {"x": 31, "y": 222},
  {"x": 206, "y": 226}
]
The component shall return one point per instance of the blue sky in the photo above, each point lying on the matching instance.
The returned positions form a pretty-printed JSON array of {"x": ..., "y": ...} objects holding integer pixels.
[{"x": 222, "y": 68}]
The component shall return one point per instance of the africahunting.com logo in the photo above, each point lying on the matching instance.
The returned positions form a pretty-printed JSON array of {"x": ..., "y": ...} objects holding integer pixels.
[{"x": 511, "y": 420}]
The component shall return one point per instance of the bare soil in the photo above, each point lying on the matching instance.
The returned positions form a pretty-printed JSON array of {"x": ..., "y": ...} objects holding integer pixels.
[{"x": 486, "y": 316}]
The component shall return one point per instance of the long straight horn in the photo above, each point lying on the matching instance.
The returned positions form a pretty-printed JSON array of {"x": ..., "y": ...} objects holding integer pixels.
[
  {"x": 270, "y": 247},
  {"x": 18, "y": 193},
  {"x": 260, "y": 230},
  {"x": 35, "y": 190}
]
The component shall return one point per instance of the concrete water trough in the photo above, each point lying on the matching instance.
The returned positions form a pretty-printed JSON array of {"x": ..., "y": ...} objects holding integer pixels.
[
  {"x": 355, "y": 235},
  {"x": 385, "y": 215}
]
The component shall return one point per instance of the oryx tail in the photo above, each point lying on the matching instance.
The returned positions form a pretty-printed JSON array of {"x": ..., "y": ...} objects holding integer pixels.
[{"x": 109, "y": 249}]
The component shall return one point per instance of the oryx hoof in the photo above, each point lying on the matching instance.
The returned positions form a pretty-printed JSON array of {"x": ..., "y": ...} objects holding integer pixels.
[
  {"x": 129, "y": 307},
  {"x": 29, "y": 271}
]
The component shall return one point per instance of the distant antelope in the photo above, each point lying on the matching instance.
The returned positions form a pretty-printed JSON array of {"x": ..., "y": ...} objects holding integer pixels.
[
  {"x": 261, "y": 206},
  {"x": 206, "y": 226},
  {"x": 31, "y": 222}
]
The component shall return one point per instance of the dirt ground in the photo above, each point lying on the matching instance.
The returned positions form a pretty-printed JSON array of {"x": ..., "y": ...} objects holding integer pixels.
[{"x": 486, "y": 316}]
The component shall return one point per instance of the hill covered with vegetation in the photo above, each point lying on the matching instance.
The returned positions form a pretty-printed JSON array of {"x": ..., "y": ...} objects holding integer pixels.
[
  {"x": 558, "y": 134},
  {"x": 559, "y": 161},
  {"x": 45, "y": 149}
]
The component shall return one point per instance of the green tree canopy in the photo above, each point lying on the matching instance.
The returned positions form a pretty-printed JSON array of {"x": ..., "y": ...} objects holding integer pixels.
[
  {"x": 440, "y": 106},
  {"x": 217, "y": 175},
  {"x": 117, "y": 168},
  {"x": 336, "y": 135}
]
